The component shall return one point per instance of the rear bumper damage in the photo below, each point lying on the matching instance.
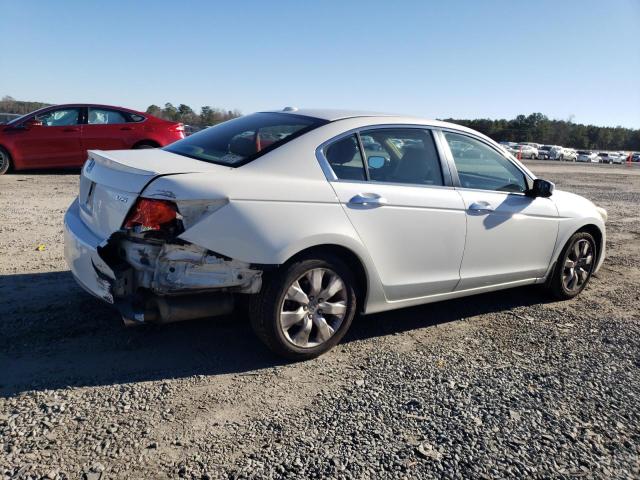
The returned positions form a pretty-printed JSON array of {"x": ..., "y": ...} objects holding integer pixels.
[{"x": 151, "y": 280}]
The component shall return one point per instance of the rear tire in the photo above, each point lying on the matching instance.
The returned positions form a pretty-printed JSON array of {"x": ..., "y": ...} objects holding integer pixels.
[
  {"x": 5, "y": 161},
  {"x": 305, "y": 308},
  {"x": 574, "y": 267}
]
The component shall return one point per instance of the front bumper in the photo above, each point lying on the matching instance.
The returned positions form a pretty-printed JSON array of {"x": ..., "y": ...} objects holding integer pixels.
[{"x": 81, "y": 254}]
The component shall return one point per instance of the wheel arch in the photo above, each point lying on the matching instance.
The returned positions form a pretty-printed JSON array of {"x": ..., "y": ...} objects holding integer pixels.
[
  {"x": 353, "y": 261},
  {"x": 598, "y": 236}
]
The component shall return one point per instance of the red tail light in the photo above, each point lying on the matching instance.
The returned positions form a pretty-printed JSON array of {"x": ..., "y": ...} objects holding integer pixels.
[{"x": 151, "y": 214}]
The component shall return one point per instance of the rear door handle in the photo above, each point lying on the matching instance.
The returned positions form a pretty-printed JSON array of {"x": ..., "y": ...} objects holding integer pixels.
[
  {"x": 70, "y": 129},
  {"x": 481, "y": 207},
  {"x": 126, "y": 128},
  {"x": 368, "y": 200}
]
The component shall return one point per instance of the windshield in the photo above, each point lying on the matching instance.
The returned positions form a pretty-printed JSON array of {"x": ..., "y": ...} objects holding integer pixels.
[{"x": 238, "y": 141}]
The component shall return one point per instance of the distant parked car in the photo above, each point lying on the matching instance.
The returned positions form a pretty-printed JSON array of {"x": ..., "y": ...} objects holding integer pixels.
[
  {"x": 532, "y": 144},
  {"x": 635, "y": 157},
  {"x": 587, "y": 156},
  {"x": 618, "y": 158},
  {"x": 543, "y": 152},
  {"x": 606, "y": 157},
  {"x": 526, "y": 151},
  {"x": 569, "y": 155},
  {"x": 556, "y": 153},
  {"x": 60, "y": 136}
]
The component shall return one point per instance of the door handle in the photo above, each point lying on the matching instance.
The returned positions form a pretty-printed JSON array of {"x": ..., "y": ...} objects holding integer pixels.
[
  {"x": 70, "y": 129},
  {"x": 368, "y": 200},
  {"x": 481, "y": 207},
  {"x": 126, "y": 128}
]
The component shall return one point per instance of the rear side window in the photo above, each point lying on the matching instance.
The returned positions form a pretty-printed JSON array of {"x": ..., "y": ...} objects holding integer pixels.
[
  {"x": 403, "y": 155},
  {"x": 345, "y": 159},
  {"x": 102, "y": 116},
  {"x": 241, "y": 140}
]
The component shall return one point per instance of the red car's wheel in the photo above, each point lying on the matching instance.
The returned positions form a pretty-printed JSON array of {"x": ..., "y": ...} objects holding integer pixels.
[{"x": 5, "y": 161}]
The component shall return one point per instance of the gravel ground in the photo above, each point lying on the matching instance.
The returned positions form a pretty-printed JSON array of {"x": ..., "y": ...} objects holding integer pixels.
[{"x": 508, "y": 384}]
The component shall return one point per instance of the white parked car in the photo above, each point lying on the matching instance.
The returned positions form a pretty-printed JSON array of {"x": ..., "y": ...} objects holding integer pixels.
[
  {"x": 289, "y": 211},
  {"x": 587, "y": 156},
  {"x": 526, "y": 151}
]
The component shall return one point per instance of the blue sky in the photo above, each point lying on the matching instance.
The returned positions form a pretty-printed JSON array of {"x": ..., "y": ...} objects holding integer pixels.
[{"x": 462, "y": 59}]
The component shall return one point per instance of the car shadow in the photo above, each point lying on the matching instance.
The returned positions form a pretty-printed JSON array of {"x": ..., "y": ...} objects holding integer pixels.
[{"x": 54, "y": 335}]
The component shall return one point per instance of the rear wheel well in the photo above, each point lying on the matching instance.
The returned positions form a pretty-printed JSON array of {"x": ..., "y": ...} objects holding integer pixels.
[
  {"x": 348, "y": 257},
  {"x": 146, "y": 143}
]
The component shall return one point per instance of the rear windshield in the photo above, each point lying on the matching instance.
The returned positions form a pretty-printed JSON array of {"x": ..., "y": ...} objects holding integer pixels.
[{"x": 238, "y": 141}]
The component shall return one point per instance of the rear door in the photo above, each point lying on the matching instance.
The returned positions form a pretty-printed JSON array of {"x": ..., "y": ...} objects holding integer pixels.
[
  {"x": 510, "y": 236},
  {"x": 55, "y": 143},
  {"x": 107, "y": 129},
  {"x": 402, "y": 205}
]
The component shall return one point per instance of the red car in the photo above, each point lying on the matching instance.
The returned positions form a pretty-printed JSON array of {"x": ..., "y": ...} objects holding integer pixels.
[{"x": 60, "y": 136}]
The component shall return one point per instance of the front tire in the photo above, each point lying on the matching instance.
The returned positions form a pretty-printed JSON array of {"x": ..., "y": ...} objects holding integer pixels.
[
  {"x": 5, "y": 161},
  {"x": 575, "y": 266},
  {"x": 305, "y": 308}
]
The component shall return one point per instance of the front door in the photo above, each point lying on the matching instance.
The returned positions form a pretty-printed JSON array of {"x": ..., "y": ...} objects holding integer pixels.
[
  {"x": 411, "y": 222},
  {"x": 54, "y": 143},
  {"x": 510, "y": 236}
]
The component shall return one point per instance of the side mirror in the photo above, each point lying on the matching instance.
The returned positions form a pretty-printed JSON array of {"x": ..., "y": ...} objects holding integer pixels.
[
  {"x": 541, "y": 188},
  {"x": 32, "y": 122},
  {"x": 376, "y": 162}
]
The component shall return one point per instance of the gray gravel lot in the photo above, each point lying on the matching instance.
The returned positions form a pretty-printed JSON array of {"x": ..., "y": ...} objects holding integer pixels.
[{"x": 509, "y": 384}]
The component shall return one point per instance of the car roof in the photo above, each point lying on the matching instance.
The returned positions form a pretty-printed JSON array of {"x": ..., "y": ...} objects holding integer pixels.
[
  {"x": 98, "y": 105},
  {"x": 333, "y": 115},
  {"x": 330, "y": 114}
]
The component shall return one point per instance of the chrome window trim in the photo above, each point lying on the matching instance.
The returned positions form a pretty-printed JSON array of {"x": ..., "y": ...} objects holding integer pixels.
[{"x": 331, "y": 176}]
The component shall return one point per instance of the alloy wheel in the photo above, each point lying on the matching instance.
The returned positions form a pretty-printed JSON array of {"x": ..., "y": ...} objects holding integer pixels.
[
  {"x": 578, "y": 265},
  {"x": 313, "y": 308}
]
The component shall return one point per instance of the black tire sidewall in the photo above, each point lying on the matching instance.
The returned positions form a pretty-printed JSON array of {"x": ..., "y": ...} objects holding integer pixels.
[{"x": 276, "y": 292}]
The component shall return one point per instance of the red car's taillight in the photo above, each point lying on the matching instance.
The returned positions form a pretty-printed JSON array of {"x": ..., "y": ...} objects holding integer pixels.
[{"x": 151, "y": 214}]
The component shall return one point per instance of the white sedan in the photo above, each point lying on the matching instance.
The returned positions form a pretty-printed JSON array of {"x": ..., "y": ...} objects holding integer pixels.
[{"x": 294, "y": 212}]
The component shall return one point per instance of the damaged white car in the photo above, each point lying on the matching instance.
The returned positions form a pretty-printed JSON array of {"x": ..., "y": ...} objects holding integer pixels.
[{"x": 312, "y": 216}]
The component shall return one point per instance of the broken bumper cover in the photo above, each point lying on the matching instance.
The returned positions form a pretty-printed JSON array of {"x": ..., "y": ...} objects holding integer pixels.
[{"x": 81, "y": 253}]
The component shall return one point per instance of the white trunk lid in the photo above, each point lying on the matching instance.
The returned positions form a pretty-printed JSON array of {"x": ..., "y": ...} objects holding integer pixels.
[{"x": 111, "y": 182}]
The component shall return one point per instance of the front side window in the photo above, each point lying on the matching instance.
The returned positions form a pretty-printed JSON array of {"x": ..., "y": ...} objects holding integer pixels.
[
  {"x": 238, "y": 141},
  {"x": 481, "y": 167},
  {"x": 345, "y": 159},
  {"x": 99, "y": 116},
  {"x": 402, "y": 155},
  {"x": 59, "y": 118}
]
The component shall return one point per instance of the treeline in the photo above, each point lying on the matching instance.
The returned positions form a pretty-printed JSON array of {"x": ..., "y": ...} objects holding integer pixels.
[
  {"x": 11, "y": 105},
  {"x": 538, "y": 128},
  {"x": 184, "y": 113}
]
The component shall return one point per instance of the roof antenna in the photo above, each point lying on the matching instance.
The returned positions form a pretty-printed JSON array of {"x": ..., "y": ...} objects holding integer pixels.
[{"x": 290, "y": 109}]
